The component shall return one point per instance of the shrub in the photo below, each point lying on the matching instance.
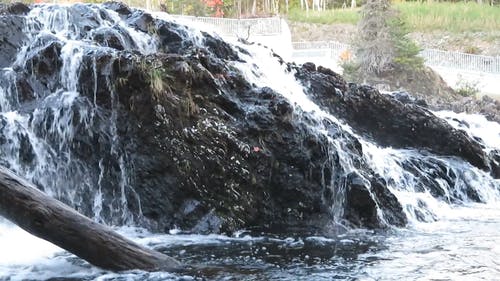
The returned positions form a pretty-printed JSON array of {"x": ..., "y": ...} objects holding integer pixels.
[{"x": 467, "y": 88}]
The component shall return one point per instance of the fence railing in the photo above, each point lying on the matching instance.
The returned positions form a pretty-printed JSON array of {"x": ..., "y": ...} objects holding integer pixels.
[
  {"x": 240, "y": 27},
  {"x": 432, "y": 57},
  {"x": 461, "y": 60}
]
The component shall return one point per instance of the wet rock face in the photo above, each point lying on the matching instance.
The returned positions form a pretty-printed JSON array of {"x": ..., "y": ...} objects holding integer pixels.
[
  {"x": 229, "y": 155},
  {"x": 214, "y": 169},
  {"x": 11, "y": 38},
  {"x": 190, "y": 143},
  {"x": 202, "y": 148},
  {"x": 14, "y": 9},
  {"x": 399, "y": 121}
]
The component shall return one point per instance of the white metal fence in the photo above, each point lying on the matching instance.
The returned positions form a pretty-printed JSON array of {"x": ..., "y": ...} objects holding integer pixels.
[
  {"x": 432, "y": 57},
  {"x": 464, "y": 61},
  {"x": 240, "y": 27}
]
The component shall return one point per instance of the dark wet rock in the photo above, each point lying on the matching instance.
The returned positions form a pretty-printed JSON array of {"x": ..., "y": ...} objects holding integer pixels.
[
  {"x": 142, "y": 21},
  {"x": 171, "y": 37},
  {"x": 191, "y": 144},
  {"x": 86, "y": 18},
  {"x": 215, "y": 158},
  {"x": 390, "y": 122},
  {"x": 11, "y": 38},
  {"x": 14, "y": 9},
  {"x": 219, "y": 48},
  {"x": 114, "y": 38},
  {"x": 45, "y": 63},
  {"x": 495, "y": 163},
  {"x": 361, "y": 208},
  {"x": 365, "y": 196},
  {"x": 388, "y": 203},
  {"x": 406, "y": 98},
  {"x": 309, "y": 66},
  {"x": 436, "y": 177},
  {"x": 118, "y": 7}
]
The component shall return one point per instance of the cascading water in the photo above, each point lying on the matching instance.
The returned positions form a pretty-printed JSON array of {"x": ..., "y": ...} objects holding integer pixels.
[
  {"x": 411, "y": 175},
  {"x": 67, "y": 136},
  {"x": 40, "y": 143}
]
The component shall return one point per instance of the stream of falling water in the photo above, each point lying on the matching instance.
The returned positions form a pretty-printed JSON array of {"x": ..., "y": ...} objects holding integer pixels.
[{"x": 444, "y": 240}]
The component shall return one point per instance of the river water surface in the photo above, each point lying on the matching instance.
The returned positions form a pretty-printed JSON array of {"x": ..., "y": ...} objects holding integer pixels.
[{"x": 464, "y": 245}]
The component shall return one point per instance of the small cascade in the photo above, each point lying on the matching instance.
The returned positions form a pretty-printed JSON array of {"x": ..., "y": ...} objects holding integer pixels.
[
  {"x": 425, "y": 184},
  {"x": 340, "y": 156},
  {"x": 43, "y": 141}
]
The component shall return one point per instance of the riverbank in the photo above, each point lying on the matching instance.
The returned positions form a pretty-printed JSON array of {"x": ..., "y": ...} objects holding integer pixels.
[
  {"x": 478, "y": 42},
  {"x": 464, "y": 27}
]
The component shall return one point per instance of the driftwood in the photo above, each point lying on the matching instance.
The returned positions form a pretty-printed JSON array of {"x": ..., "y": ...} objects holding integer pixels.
[{"x": 50, "y": 219}]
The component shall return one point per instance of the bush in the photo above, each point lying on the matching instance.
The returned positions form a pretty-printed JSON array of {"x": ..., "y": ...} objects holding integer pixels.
[{"x": 467, "y": 88}]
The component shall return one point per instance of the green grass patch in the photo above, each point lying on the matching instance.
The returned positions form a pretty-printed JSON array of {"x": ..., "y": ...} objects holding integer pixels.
[
  {"x": 423, "y": 17},
  {"x": 453, "y": 17},
  {"x": 325, "y": 17}
]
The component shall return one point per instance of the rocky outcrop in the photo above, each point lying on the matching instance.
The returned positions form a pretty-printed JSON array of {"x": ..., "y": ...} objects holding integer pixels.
[
  {"x": 188, "y": 142},
  {"x": 397, "y": 121},
  {"x": 485, "y": 105}
]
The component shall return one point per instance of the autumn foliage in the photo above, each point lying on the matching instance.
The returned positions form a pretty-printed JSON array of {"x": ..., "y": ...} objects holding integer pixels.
[{"x": 216, "y": 7}]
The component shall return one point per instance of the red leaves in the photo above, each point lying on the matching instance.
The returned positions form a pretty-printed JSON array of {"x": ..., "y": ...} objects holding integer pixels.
[{"x": 216, "y": 5}]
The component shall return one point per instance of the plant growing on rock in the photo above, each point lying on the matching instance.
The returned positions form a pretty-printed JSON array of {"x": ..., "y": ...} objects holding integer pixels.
[
  {"x": 155, "y": 75},
  {"x": 156, "y": 80}
]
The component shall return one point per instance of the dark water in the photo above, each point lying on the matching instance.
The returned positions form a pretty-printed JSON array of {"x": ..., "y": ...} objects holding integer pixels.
[{"x": 463, "y": 245}]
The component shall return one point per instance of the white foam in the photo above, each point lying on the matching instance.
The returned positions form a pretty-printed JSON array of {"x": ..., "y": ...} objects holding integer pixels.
[
  {"x": 474, "y": 125},
  {"x": 21, "y": 248}
]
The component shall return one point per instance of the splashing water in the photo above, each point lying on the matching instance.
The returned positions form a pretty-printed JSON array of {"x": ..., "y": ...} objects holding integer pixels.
[
  {"x": 41, "y": 146},
  {"x": 401, "y": 168}
]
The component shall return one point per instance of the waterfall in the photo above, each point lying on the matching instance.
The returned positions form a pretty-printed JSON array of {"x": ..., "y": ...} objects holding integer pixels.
[
  {"x": 40, "y": 142},
  {"x": 425, "y": 184},
  {"x": 48, "y": 137},
  {"x": 137, "y": 121}
]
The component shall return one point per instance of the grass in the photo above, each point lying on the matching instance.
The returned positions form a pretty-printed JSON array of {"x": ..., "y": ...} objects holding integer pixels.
[
  {"x": 325, "y": 17},
  {"x": 422, "y": 17},
  {"x": 453, "y": 17}
]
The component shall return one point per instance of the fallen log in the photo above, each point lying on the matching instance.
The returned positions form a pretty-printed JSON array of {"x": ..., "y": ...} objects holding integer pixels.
[{"x": 51, "y": 220}]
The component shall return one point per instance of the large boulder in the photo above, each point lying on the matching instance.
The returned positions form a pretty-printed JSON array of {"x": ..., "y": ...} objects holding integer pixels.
[
  {"x": 179, "y": 137},
  {"x": 388, "y": 121}
]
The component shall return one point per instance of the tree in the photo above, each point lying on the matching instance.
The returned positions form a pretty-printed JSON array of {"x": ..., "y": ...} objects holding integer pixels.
[{"x": 382, "y": 45}]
